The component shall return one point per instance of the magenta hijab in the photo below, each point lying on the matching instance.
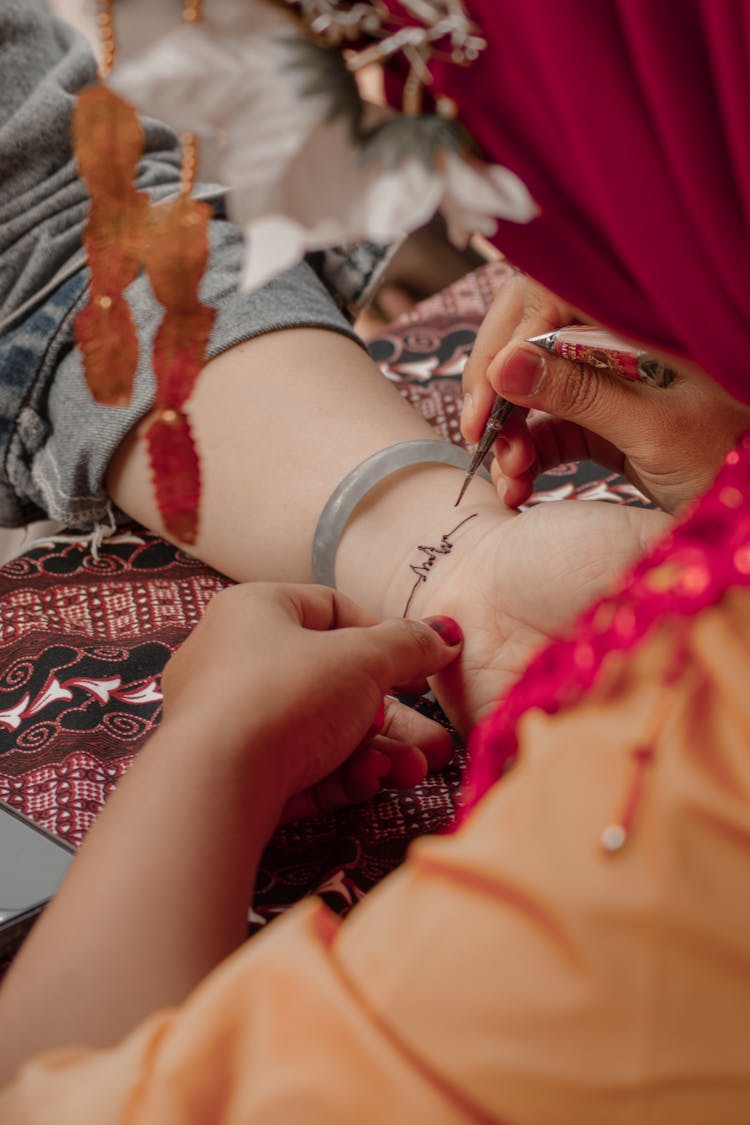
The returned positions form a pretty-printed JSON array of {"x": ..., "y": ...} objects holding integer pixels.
[{"x": 629, "y": 122}]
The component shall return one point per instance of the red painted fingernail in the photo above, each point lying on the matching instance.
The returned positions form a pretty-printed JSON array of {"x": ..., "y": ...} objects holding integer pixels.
[{"x": 446, "y": 628}]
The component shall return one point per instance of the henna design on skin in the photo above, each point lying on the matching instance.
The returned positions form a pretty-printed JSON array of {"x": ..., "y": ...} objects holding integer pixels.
[{"x": 423, "y": 570}]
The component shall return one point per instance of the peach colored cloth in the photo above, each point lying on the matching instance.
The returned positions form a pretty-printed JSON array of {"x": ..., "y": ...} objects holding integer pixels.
[{"x": 513, "y": 973}]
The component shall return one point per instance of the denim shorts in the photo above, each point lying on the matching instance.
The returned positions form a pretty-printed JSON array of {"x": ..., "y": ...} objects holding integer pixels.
[{"x": 56, "y": 441}]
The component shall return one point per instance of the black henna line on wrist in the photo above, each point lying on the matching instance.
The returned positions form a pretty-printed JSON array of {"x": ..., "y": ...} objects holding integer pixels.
[{"x": 423, "y": 572}]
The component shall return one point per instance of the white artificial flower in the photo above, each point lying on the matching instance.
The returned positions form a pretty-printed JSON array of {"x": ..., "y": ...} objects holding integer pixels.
[
  {"x": 331, "y": 195},
  {"x": 283, "y": 130},
  {"x": 477, "y": 194}
]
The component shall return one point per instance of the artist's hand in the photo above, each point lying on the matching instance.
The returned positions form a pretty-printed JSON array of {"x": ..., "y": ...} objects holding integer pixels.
[
  {"x": 523, "y": 308},
  {"x": 517, "y": 581},
  {"x": 299, "y": 673},
  {"x": 668, "y": 442}
]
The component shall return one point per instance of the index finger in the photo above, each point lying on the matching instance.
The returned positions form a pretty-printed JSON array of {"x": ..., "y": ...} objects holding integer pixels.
[
  {"x": 494, "y": 332},
  {"x": 523, "y": 308},
  {"x": 322, "y": 608}
]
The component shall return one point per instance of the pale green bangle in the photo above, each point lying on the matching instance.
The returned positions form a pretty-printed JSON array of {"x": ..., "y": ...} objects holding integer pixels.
[{"x": 356, "y": 484}]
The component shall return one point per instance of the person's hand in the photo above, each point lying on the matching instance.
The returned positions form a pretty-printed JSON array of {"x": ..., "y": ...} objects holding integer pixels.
[
  {"x": 669, "y": 442},
  {"x": 522, "y": 308},
  {"x": 274, "y": 692},
  {"x": 299, "y": 673},
  {"x": 519, "y": 580}
]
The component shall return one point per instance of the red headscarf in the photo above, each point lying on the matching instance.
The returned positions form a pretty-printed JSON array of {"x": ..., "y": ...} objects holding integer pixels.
[{"x": 629, "y": 122}]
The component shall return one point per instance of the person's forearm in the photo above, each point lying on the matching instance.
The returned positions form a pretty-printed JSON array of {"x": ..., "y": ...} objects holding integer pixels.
[
  {"x": 279, "y": 421},
  {"x": 158, "y": 895}
]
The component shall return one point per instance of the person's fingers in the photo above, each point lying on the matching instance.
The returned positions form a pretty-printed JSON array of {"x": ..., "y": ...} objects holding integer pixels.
[
  {"x": 479, "y": 398},
  {"x": 589, "y": 397},
  {"x": 523, "y": 309},
  {"x": 393, "y": 300},
  {"x": 415, "y": 687},
  {"x": 389, "y": 303},
  {"x": 358, "y": 779},
  {"x": 384, "y": 762},
  {"x": 408, "y": 763},
  {"x": 514, "y": 447},
  {"x": 513, "y": 491},
  {"x": 402, "y": 650},
  {"x": 321, "y": 608},
  {"x": 559, "y": 442},
  {"x": 403, "y": 725},
  {"x": 494, "y": 332}
]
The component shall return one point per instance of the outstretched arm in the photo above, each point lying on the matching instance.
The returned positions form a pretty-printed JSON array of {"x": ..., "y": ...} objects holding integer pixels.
[
  {"x": 273, "y": 696},
  {"x": 280, "y": 420}
]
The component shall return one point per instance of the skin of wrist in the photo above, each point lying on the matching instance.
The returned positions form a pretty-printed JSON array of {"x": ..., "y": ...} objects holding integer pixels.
[
  {"x": 230, "y": 756},
  {"x": 408, "y": 510}
]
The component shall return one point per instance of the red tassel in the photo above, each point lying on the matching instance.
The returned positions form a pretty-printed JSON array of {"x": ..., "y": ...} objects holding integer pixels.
[
  {"x": 105, "y": 333},
  {"x": 108, "y": 141},
  {"x": 175, "y": 258},
  {"x": 175, "y": 471},
  {"x": 171, "y": 241}
]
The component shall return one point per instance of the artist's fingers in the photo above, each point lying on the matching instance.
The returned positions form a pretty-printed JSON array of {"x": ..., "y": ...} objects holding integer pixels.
[
  {"x": 478, "y": 400},
  {"x": 528, "y": 447},
  {"x": 513, "y": 491},
  {"x": 523, "y": 308},
  {"x": 514, "y": 447},
  {"x": 589, "y": 397},
  {"x": 494, "y": 332},
  {"x": 559, "y": 442},
  {"x": 513, "y": 467}
]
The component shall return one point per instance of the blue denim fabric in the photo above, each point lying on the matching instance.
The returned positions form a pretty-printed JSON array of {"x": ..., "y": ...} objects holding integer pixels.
[
  {"x": 56, "y": 442},
  {"x": 29, "y": 354}
]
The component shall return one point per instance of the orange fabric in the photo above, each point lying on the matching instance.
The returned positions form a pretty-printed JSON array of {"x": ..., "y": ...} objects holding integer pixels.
[{"x": 513, "y": 973}]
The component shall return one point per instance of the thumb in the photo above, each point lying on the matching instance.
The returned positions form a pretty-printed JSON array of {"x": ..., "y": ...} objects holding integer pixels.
[
  {"x": 405, "y": 650},
  {"x": 591, "y": 397}
]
